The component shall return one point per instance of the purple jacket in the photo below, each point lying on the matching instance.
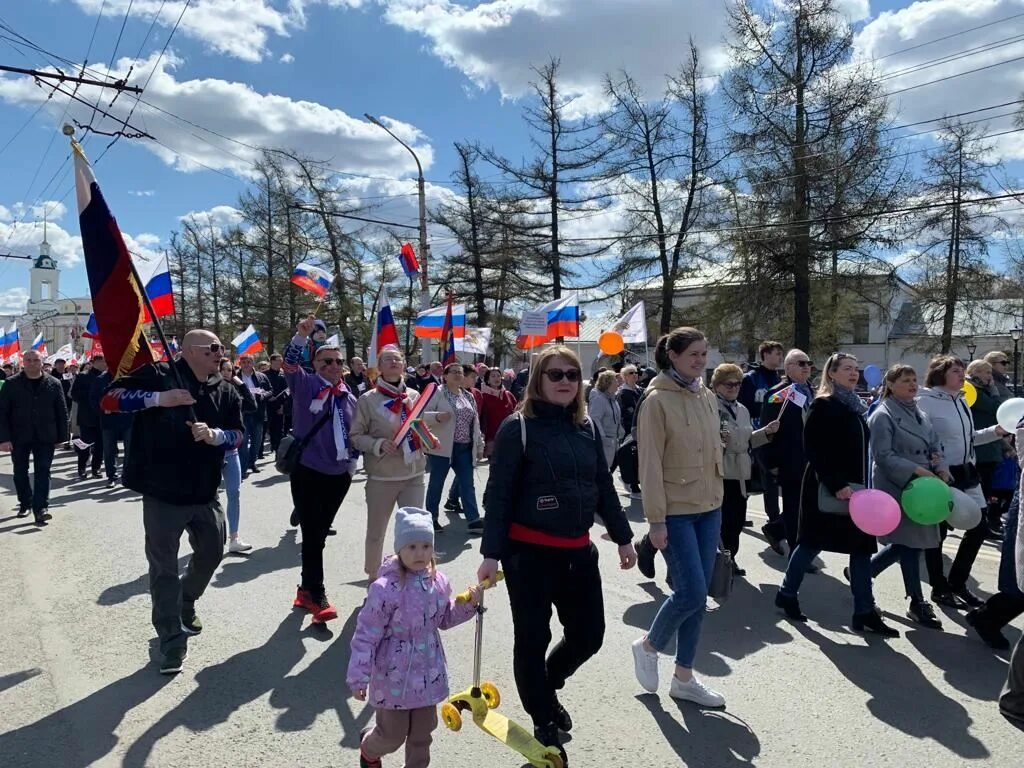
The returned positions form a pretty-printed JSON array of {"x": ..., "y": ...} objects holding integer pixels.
[
  {"x": 321, "y": 453},
  {"x": 396, "y": 649}
]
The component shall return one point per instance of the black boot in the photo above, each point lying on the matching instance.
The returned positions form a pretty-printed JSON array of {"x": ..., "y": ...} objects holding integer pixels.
[
  {"x": 791, "y": 605},
  {"x": 560, "y": 716},
  {"x": 548, "y": 736},
  {"x": 988, "y": 630},
  {"x": 924, "y": 614},
  {"x": 872, "y": 622},
  {"x": 645, "y": 553}
]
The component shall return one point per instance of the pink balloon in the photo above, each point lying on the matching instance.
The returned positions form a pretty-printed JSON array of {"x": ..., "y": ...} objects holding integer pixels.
[{"x": 875, "y": 512}]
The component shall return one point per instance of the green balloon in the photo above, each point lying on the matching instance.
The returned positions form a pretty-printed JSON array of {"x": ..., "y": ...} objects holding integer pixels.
[{"x": 927, "y": 500}]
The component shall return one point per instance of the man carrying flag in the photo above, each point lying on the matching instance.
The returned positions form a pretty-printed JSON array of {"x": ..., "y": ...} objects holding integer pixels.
[{"x": 186, "y": 416}]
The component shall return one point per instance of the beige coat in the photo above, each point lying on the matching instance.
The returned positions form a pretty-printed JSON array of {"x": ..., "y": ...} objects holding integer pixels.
[
  {"x": 680, "y": 450},
  {"x": 445, "y": 432},
  {"x": 373, "y": 426},
  {"x": 742, "y": 437}
]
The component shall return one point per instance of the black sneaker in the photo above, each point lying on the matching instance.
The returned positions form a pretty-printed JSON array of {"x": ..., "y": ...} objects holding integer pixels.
[
  {"x": 173, "y": 660},
  {"x": 81, "y": 475},
  {"x": 255, "y": 469},
  {"x": 23, "y": 511},
  {"x": 190, "y": 621},
  {"x": 293, "y": 519},
  {"x": 454, "y": 507},
  {"x": 969, "y": 597},
  {"x": 112, "y": 482},
  {"x": 645, "y": 553},
  {"x": 872, "y": 622},
  {"x": 97, "y": 473},
  {"x": 476, "y": 526},
  {"x": 548, "y": 736},
  {"x": 924, "y": 614},
  {"x": 737, "y": 571},
  {"x": 991, "y": 635},
  {"x": 773, "y": 541},
  {"x": 559, "y": 715},
  {"x": 790, "y": 605},
  {"x": 948, "y": 598},
  {"x": 39, "y": 517},
  {"x": 438, "y": 527},
  {"x": 45, "y": 513},
  {"x": 331, "y": 532}
]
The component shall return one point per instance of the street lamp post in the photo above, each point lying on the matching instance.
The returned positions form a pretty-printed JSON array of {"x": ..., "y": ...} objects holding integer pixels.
[
  {"x": 421, "y": 187},
  {"x": 971, "y": 347},
  {"x": 1015, "y": 334}
]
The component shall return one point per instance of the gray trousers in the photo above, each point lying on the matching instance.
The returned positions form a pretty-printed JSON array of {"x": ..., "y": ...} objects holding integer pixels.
[
  {"x": 393, "y": 727},
  {"x": 1011, "y": 702},
  {"x": 164, "y": 523}
]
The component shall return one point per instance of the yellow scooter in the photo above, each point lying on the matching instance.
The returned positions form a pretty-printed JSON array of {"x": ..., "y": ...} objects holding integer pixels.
[{"x": 483, "y": 698}]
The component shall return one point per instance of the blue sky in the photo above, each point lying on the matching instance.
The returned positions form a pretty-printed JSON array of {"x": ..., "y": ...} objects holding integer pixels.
[{"x": 441, "y": 70}]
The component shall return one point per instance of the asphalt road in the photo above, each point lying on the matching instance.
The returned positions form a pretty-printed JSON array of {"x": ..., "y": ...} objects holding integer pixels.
[{"x": 264, "y": 688}]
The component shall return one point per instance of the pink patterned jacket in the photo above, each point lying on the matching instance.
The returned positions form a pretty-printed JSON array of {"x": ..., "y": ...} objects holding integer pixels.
[{"x": 396, "y": 649}]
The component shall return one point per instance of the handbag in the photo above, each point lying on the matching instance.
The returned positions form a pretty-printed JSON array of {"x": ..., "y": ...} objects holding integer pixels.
[
  {"x": 290, "y": 449},
  {"x": 721, "y": 577},
  {"x": 830, "y": 505}
]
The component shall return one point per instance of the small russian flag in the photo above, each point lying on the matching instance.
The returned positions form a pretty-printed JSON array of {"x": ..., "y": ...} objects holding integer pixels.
[
  {"x": 430, "y": 322},
  {"x": 312, "y": 279},
  {"x": 247, "y": 342},
  {"x": 410, "y": 265},
  {"x": 91, "y": 329},
  {"x": 39, "y": 344}
]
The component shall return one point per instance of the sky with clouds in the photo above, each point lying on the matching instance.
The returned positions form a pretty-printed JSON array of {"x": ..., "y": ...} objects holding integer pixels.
[{"x": 243, "y": 74}]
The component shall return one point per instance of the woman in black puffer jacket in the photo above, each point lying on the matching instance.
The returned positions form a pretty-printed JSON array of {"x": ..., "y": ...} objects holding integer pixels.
[{"x": 548, "y": 480}]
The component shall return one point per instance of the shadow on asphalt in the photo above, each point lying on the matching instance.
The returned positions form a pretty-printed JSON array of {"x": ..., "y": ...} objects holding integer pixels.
[
  {"x": 704, "y": 737},
  {"x": 120, "y": 593},
  {"x": 258, "y": 562},
  {"x": 16, "y": 678}
]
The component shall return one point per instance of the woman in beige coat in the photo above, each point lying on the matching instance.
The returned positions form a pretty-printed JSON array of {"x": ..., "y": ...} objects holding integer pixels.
[{"x": 394, "y": 474}]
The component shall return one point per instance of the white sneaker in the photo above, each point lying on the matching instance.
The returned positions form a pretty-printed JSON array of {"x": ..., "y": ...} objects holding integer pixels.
[
  {"x": 645, "y": 664},
  {"x": 696, "y": 692},
  {"x": 237, "y": 545}
]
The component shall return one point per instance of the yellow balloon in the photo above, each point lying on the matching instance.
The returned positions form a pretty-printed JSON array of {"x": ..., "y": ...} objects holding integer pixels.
[
  {"x": 970, "y": 393},
  {"x": 611, "y": 343}
]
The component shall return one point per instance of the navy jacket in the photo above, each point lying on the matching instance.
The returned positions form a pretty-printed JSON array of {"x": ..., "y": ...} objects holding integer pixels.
[{"x": 754, "y": 388}]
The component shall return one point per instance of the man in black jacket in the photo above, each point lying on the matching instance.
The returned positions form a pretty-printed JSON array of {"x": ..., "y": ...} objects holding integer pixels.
[
  {"x": 259, "y": 385},
  {"x": 278, "y": 404},
  {"x": 761, "y": 377},
  {"x": 33, "y": 420},
  {"x": 178, "y": 440},
  {"x": 90, "y": 430}
]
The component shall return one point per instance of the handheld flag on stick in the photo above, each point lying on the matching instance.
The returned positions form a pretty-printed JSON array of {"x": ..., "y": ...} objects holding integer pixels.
[
  {"x": 156, "y": 281},
  {"x": 384, "y": 331},
  {"x": 415, "y": 412},
  {"x": 10, "y": 343},
  {"x": 410, "y": 265},
  {"x": 446, "y": 347},
  {"x": 91, "y": 331},
  {"x": 39, "y": 345},
  {"x": 116, "y": 289},
  {"x": 430, "y": 322},
  {"x": 563, "y": 319},
  {"x": 247, "y": 342},
  {"x": 312, "y": 279}
]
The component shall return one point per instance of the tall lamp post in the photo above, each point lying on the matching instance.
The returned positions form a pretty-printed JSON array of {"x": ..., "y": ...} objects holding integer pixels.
[
  {"x": 1015, "y": 334},
  {"x": 971, "y": 347},
  {"x": 421, "y": 187}
]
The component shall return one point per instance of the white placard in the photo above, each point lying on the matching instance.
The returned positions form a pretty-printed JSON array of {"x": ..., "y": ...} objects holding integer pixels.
[{"x": 534, "y": 323}]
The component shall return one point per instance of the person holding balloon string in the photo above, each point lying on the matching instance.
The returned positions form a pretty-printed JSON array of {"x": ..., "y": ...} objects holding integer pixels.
[
  {"x": 942, "y": 400},
  {"x": 836, "y": 440},
  {"x": 904, "y": 446}
]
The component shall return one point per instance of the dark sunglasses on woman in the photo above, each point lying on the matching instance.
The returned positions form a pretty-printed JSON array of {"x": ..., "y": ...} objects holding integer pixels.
[{"x": 557, "y": 374}]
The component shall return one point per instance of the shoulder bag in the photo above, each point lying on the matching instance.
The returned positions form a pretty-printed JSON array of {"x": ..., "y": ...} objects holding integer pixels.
[{"x": 290, "y": 449}]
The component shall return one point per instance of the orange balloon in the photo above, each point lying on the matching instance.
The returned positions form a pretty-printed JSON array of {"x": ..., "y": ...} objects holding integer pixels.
[{"x": 611, "y": 343}]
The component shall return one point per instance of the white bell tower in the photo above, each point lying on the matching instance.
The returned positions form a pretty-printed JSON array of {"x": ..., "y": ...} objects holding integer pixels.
[{"x": 45, "y": 276}]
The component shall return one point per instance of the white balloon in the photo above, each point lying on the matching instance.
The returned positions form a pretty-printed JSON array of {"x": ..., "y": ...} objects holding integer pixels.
[
  {"x": 964, "y": 513},
  {"x": 1010, "y": 413}
]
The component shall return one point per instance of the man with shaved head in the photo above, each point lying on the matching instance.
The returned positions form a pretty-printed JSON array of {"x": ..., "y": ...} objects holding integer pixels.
[
  {"x": 183, "y": 425},
  {"x": 33, "y": 419}
]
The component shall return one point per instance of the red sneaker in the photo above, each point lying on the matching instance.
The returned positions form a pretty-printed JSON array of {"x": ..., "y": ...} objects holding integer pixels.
[
  {"x": 324, "y": 611},
  {"x": 304, "y": 600}
]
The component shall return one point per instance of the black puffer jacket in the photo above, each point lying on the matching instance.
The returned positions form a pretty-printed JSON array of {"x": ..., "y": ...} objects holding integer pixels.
[
  {"x": 33, "y": 413},
  {"x": 556, "y": 486}
]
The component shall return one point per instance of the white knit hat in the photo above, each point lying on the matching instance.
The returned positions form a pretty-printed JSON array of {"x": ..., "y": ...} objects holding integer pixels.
[{"x": 413, "y": 526}]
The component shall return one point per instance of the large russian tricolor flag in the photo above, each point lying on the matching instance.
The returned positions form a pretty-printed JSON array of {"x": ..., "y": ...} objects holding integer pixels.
[
  {"x": 312, "y": 279},
  {"x": 384, "y": 331},
  {"x": 430, "y": 323},
  {"x": 10, "y": 342},
  {"x": 563, "y": 320},
  {"x": 156, "y": 279},
  {"x": 247, "y": 342},
  {"x": 116, "y": 294},
  {"x": 39, "y": 344}
]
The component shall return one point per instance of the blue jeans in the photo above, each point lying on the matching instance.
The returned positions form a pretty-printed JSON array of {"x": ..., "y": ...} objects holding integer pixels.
[
  {"x": 110, "y": 437},
  {"x": 462, "y": 462},
  {"x": 232, "y": 482},
  {"x": 910, "y": 564},
  {"x": 690, "y": 555},
  {"x": 1007, "y": 571},
  {"x": 253, "y": 440},
  {"x": 860, "y": 577}
]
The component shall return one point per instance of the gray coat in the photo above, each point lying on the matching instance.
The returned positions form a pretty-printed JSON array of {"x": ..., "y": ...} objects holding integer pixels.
[{"x": 901, "y": 441}]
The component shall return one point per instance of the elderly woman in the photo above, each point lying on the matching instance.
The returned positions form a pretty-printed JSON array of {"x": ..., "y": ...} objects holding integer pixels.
[
  {"x": 904, "y": 445},
  {"x": 943, "y": 401},
  {"x": 548, "y": 480},
  {"x": 605, "y": 412},
  {"x": 738, "y": 437},
  {"x": 394, "y": 473},
  {"x": 322, "y": 413},
  {"x": 836, "y": 439},
  {"x": 680, "y": 444},
  {"x": 460, "y": 445}
]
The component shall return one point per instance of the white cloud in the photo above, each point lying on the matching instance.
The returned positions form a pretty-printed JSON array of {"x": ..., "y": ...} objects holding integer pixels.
[
  {"x": 236, "y": 110},
  {"x": 23, "y": 236},
  {"x": 923, "y": 22},
  {"x": 141, "y": 192},
  {"x": 286, "y": 58},
  {"x": 13, "y": 300},
  {"x": 221, "y": 217}
]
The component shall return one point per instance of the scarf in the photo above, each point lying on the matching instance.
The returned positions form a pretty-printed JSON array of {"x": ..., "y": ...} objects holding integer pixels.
[
  {"x": 691, "y": 384},
  {"x": 910, "y": 406},
  {"x": 991, "y": 387},
  {"x": 398, "y": 403},
  {"x": 337, "y": 393},
  {"x": 806, "y": 391},
  {"x": 849, "y": 398},
  {"x": 491, "y": 390},
  {"x": 729, "y": 406}
]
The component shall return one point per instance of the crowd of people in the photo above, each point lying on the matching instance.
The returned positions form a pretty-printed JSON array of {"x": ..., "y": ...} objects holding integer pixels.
[{"x": 691, "y": 453}]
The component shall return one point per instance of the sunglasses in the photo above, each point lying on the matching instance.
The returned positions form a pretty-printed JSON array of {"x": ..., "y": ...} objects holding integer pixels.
[
  {"x": 730, "y": 384},
  {"x": 557, "y": 374},
  {"x": 209, "y": 349},
  {"x": 330, "y": 361},
  {"x": 1000, "y": 362},
  {"x": 802, "y": 363}
]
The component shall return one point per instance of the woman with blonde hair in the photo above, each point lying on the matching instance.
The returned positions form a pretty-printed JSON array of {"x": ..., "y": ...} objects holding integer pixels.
[
  {"x": 606, "y": 414},
  {"x": 836, "y": 441},
  {"x": 738, "y": 438},
  {"x": 548, "y": 481}
]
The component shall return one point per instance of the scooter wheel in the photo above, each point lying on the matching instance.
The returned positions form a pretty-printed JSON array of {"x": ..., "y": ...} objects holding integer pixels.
[
  {"x": 451, "y": 717},
  {"x": 491, "y": 695},
  {"x": 554, "y": 759}
]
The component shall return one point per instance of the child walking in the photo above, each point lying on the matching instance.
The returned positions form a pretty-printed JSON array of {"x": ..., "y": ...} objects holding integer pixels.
[{"x": 397, "y": 661}]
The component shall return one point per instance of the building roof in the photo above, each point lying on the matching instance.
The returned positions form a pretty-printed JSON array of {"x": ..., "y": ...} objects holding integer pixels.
[{"x": 975, "y": 318}]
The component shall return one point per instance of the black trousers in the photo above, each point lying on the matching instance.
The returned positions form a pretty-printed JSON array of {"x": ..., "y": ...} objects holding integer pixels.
[
  {"x": 275, "y": 428},
  {"x": 94, "y": 436},
  {"x": 966, "y": 554},
  {"x": 539, "y": 578},
  {"x": 786, "y": 526},
  {"x": 33, "y": 493},
  {"x": 317, "y": 497},
  {"x": 734, "y": 512},
  {"x": 769, "y": 485}
]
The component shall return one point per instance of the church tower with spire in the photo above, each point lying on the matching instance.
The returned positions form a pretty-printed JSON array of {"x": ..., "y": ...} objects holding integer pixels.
[{"x": 45, "y": 278}]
